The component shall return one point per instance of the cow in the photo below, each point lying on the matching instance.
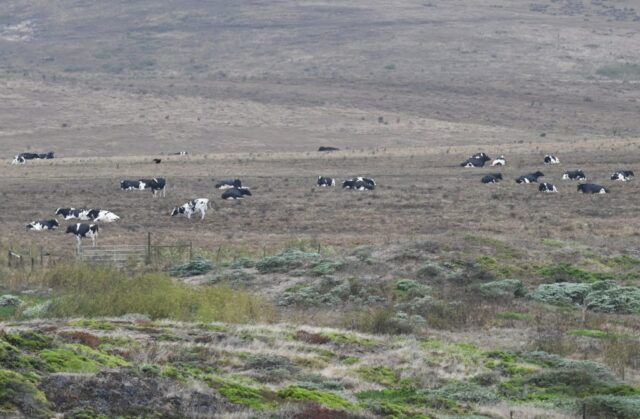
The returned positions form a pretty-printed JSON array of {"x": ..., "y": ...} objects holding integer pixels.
[
  {"x": 179, "y": 153},
  {"x": 69, "y": 213},
  {"x": 46, "y": 156},
  {"x": 592, "y": 188},
  {"x": 492, "y": 178},
  {"x": 530, "y": 178},
  {"x": 236, "y": 193},
  {"x": 499, "y": 161},
  {"x": 128, "y": 185},
  {"x": 157, "y": 161},
  {"x": 622, "y": 175},
  {"x": 23, "y": 157},
  {"x": 574, "y": 175},
  {"x": 325, "y": 148},
  {"x": 325, "y": 181},
  {"x": 199, "y": 204},
  {"x": 157, "y": 184},
  {"x": 42, "y": 225},
  {"x": 547, "y": 187},
  {"x": 359, "y": 183},
  {"x": 81, "y": 230},
  {"x": 551, "y": 159},
  {"x": 476, "y": 160},
  {"x": 99, "y": 215},
  {"x": 228, "y": 184}
]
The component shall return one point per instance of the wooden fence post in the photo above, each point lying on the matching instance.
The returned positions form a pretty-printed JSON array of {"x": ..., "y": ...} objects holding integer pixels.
[
  {"x": 190, "y": 250},
  {"x": 148, "y": 261}
]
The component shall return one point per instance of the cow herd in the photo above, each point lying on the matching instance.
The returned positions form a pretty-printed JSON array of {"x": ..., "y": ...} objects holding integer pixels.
[
  {"x": 23, "y": 157},
  {"x": 479, "y": 160}
]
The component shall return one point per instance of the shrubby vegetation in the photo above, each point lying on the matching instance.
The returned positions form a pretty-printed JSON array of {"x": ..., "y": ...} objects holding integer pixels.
[{"x": 603, "y": 296}]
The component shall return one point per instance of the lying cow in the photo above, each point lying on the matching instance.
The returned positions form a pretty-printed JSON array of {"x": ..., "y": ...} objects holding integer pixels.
[
  {"x": 477, "y": 160},
  {"x": 622, "y": 175},
  {"x": 574, "y": 175},
  {"x": 228, "y": 184},
  {"x": 98, "y": 215},
  {"x": 530, "y": 178},
  {"x": 551, "y": 159},
  {"x": 69, "y": 213},
  {"x": 325, "y": 181},
  {"x": 325, "y": 148},
  {"x": 492, "y": 178},
  {"x": 499, "y": 161},
  {"x": 129, "y": 185},
  {"x": 236, "y": 193},
  {"x": 592, "y": 188},
  {"x": 197, "y": 205},
  {"x": 42, "y": 225},
  {"x": 547, "y": 187},
  {"x": 359, "y": 183}
]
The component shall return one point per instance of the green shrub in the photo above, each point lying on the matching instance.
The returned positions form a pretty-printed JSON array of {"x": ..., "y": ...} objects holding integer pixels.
[
  {"x": 467, "y": 393},
  {"x": 324, "y": 267},
  {"x": 502, "y": 289},
  {"x": 565, "y": 272},
  {"x": 605, "y": 407},
  {"x": 512, "y": 315},
  {"x": 196, "y": 266},
  {"x": 620, "y": 71},
  {"x": 19, "y": 394},
  {"x": 378, "y": 374},
  {"x": 246, "y": 396},
  {"x": 561, "y": 293},
  {"x": 411, "y": 288},
  {"x": 621, "y": 300},
  {"x": 284, "y": 261},
  {"x": 321, "y": 397}
]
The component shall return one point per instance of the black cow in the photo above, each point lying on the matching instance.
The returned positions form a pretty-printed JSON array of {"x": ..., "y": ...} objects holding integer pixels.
[
  {"x": 492, "y": 178},
  {"x": 46, "y": 156},
  {"x": 158, "y": 184},
  {"x": 547, "y": 187},
  {"x": 530, "y": 178},
  {"x": 359, "y": 183},
  {"x": 157, "y": 161},
  {"x": 574, "y": 175},
  {"x": 550, "y": 159},
  {"x": 42, "y": 225},
  {"x": 236, "y": 193},
  {"x": 477, "y": 160},
  {"x": 325, "y": 181},
  {"x": 128, "y": 185},
  {"x": 81, "y": 230},
  {"x": 622, "y": 175},
  {"x": 69, "y": 213},
  {"x": 228, "y": 184},
  {"x": 591, "y": 188},
  {"x": 324, "y": 148}
]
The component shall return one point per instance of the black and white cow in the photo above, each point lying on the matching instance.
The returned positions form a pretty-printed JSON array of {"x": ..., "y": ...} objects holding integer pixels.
[
  {"x": 324, "y": 148},
  {"x": 98, "y": 215},
  {"x": 23, "y": 157},
  {"x": 530, "y": 178},
  {"x": 69, "y": 213},
  {"x": 547, "y": 187},
  {"x": 622, "y": 175},
  {"x": 19, "y": 160},
  {"x": 574, "y": 175},
  {"x": 591, "y": 188},
  {"x": 42, "y": 225},
  {"x": 179, "y": 153},
  {"x": 46, "y": 156},
  {"x": 499, "y": 161},
  {"x": 359, "y": 183},
  {"x": 228, "y": 184},
  {"x": 236, "y": 193},
  {"x": 129, "y": 185},
  {"x": 492, "y": 178},
  {"x": 477, "y": 160},
  {"x": 197, "y": 205},
  {"x": 551, "y": 159},
  {"x": 157, "y": 186},
  {"x": 326, "y": 181},
  {"x": 82, "y": 230}
]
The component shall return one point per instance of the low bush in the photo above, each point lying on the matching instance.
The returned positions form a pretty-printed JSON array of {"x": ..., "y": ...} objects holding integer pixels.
[
  {"x": 604, "y": 296},
  {"x": 565, "y": 272},
  {"x": 605, "y": 407},
  {"x": 562, "y": 293},
  {"x": 285, "y": 261},
  {"x": 197, "y": 266},
  {"x": 506, "y": 288},
  {"x": 323, "y": 398},
  {"x": 621, "y": 300}
]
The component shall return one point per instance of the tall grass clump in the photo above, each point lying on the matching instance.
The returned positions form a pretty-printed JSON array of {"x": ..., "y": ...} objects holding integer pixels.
[{"x": 86, "y": 290}]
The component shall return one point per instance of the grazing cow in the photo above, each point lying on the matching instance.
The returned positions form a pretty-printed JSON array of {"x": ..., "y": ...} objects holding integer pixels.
[
  {"x": 157, "y": 161},
  {"x": 157, "y": 184},
  {"x": 42, "y": 225},
  {"x": 499, "y": 161},
  {"x": 592, "y": 188},
  {"x": 128, "y": 185},
  {"x": 547, "y": 187},
  {"x": 359, "y": 183},
  {"x": 574, "y": 175},
  {"x": 200, "y": 204},
  {"x": 622, "y": 175},
  {"x": 492, "y": 178},
  {"x": 69, "y": 213},
  {"x": 326, "y": 181},
  {"x": 550, "y": 159},
  {"x": 99, "y": 215},
  {"x": 81, "y": 230},
  {"x": 228, "y": 184},
  {"x": 236, "y": 193},
  {"x": 530, "y": 178},
  {"x": 323, "y": 148}
]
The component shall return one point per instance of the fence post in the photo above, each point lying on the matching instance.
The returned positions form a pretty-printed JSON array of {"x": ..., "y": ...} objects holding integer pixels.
[
  {"x": 148, "y": 248},
  {"x": 190, "y": 250},
  {"x": 41, "y": 257}
]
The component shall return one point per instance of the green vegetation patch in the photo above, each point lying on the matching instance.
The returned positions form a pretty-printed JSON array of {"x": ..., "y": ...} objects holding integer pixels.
[
  {"x": 18, "y": 394},
  {"x": 254, "y": 398},
  {"x": 620, "y": 71},
  {"x": 513, "y": 315},
  {"x": 28, "y": 340},
  {"x": 562, "y": 293},
  {"x": 603, "y": 296},
  {"x": 196, "y": 266},
  {"x": 349, "y": 338},
  {"x": 565, "y": 272},
  {"x": 406, "y": 401},
  {"x": 324, "y": 267},
  {"x": 323, "y": 398},
  {"x": 78, "y": 358},
  {"x": 503, "y": 289},
  {"x": 92, "y": 324},
  {"x": 285, "y": 261},
  {"x": 619, "y": 407},
  {"x": 378, "y": 374}
]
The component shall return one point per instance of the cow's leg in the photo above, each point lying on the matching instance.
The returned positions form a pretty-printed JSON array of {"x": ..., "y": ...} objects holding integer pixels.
[
  {"x": 78, "y": 244},
  {"x": 203, "y": 211}
]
